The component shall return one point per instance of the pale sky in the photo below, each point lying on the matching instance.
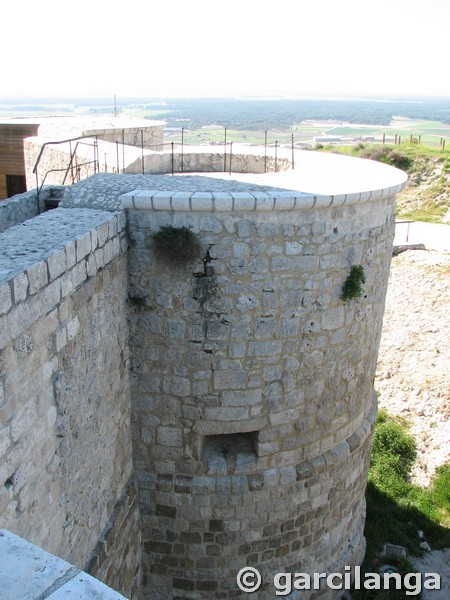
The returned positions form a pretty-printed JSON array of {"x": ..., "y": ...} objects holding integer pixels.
[{"x": 227, "y": 47}]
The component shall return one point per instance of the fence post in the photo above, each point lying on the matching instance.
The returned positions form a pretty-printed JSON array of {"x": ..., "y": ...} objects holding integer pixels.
[
  {"x": 71, "y": 160},
  {"x": 276, "y": 155},
  {"x": 37, "y": 192},
  {"x": 231, "y": 155},
  {"x": 172, "y": 156},
  {"x": 292, "y": 150},
  {"x": 117, "y": 156},
  {"x": 182, "y": 149},
  {"x": 384, "y": 138},
  {"x": 225, "y": 152},
  {"x": 142, "y": 150},
  {"x": 96, "y": 156},
  {"x": 265, "y": 151},
  {"x": 123, "y": 150}
]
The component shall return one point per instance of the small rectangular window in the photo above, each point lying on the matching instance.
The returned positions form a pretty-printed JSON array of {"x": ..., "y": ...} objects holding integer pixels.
[{"x": 230, "y": 446}]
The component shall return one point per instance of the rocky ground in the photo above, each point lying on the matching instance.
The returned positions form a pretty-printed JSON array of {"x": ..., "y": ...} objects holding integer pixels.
[{"x": 413, "y": 374}]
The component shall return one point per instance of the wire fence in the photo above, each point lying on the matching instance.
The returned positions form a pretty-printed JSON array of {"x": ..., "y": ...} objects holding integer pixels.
[
  {"x": 177, "y": 149},
  {"x": 116, "y": 157}
]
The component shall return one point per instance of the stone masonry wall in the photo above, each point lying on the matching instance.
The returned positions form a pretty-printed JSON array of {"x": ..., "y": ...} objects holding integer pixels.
[
  {"x": 252, "y": 384},
  {"x": 201, "y": 160},
  {"x": 151, "y": 137},
  {"x": 65, "y": 442},
  {"x": 55, "y": 159},
  {"x": 112, "y": 560},
  {"x": 54, "y": 162}
]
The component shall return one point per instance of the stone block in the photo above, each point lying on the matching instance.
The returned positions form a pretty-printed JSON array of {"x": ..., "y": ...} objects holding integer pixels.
[
  {"x": 292, "y": 248},
  {"x": 281, "y": 263},
  {"x": 284, "y": 201},
  {"x": 202, "y": 201},
  {"x": 169, "y": 436},
  {"x": 264, "y": 201},
  {"x": 265, "y": 328},
  {"x": 5, "y": 299},
  {"x": 102, "y": 236},
  {"x": 241, "y": 398},
  {"x": 212, "y": 224},
  {"x": 83, "y": 246},
  {"x": 112, "y": 226},
  {"x": 216, "y": 330},
  {"x": 20, "y": 287},
  {"x": 178, "y": 386},
  {"x": 37, "y": 277},
  {"x": 264, "y": 348},
  {"x": 244, "y": 201},
  {"x": 56, "y": 264},
  {"x": 77, "y": 275},
  {"x": 333, "y": 318},
  {"x": 229, "y": 380},
  {"x": 226, "y": 413},
  {"x": 174, "y": 328}
]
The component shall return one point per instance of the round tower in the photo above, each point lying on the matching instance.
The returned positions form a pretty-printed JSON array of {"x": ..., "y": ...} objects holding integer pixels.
[{"x": 252, "y": 372}]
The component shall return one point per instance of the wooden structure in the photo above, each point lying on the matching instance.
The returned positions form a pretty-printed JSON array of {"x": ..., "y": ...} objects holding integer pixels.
[{"x": 12, "y": 161}]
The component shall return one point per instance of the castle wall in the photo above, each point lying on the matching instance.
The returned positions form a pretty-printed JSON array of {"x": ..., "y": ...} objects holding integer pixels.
[
  {"x": 17, "y": 209},
  {"x": 22, "y": 207},
  {"x": 151, "y": 136},
  {"x": 55, "y": 161},
  {"x": 65, "y": 445},
  {"x": 208, "y": 159},
  {"x": 252, "y": 384},
  {"x": 117, "y": 148}
]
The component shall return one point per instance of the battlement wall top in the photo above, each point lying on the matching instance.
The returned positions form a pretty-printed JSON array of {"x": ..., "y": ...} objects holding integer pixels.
[
  {"x": 319, "y": 180},
  {"x": 62, "y": 236}
]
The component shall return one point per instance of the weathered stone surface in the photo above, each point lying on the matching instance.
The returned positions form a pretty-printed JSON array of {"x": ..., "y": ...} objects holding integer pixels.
[
  {"x": 279, "y": 355},
  {"x": 66, "y": 445},
  {"x": 251, "y": 410}
]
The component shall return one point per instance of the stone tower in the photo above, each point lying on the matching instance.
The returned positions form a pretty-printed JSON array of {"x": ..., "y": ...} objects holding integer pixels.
[
  {"x": 228, "y": 400},
  {"x": 252, "y": 379}
]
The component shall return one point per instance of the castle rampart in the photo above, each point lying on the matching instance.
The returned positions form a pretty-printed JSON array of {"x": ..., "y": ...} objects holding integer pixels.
[
  {"x": 65, "y": 402},
  {"x": 237, "y": 387}
]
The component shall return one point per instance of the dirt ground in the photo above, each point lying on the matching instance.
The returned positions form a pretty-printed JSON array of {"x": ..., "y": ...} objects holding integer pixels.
[{"x": 413, "y": 374}]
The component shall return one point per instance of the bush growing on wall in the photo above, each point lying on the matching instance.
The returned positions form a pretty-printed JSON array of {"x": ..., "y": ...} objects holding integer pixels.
[
  {"x": 176, "y": 245},
  {"x": 352, "y": 287}
]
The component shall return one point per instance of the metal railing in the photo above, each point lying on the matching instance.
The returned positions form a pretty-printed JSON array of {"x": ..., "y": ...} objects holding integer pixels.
[{"x": 74, "y": 167}]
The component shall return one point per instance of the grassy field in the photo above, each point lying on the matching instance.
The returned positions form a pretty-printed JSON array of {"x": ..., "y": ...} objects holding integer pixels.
[
  {"x": 428, "y": 132},
  {"x": 406, "y": 130}
]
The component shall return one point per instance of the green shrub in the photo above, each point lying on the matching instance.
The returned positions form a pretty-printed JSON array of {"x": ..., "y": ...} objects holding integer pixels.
[
  {"x": 176, "y": 245},
  {"x": 440, "y": 488},
  {"x": 394, "y": 448},
  {"x": 387, "y": 155},
  {"x": 352, "y": 287}
]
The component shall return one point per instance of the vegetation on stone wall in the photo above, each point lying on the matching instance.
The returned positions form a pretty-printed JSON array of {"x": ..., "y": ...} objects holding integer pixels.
[
  {"x": 352, "y": 287},
  {"x": 176, "y": 245}
]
